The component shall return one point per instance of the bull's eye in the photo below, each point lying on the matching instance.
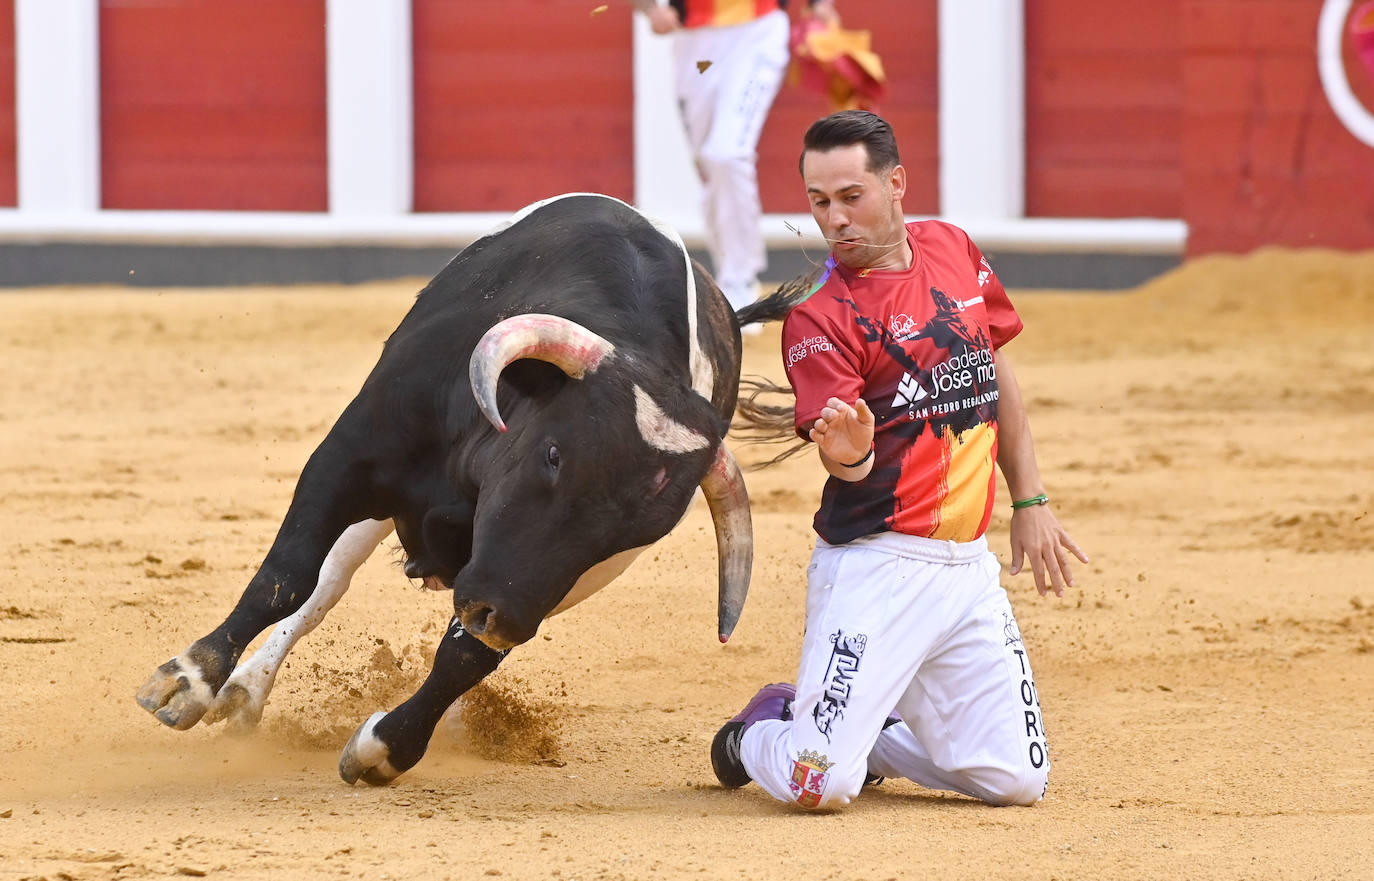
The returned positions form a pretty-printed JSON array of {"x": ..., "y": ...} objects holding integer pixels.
[{"x": 553, "y": 458}]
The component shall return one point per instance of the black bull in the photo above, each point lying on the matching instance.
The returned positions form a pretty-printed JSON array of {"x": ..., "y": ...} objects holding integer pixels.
[{"x": 613, "y": 358}]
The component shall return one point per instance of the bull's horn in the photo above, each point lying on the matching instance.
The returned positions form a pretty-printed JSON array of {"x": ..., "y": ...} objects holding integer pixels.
[
  {"x": 728, "y": 499},
  {"x": 563, "y": 343}
]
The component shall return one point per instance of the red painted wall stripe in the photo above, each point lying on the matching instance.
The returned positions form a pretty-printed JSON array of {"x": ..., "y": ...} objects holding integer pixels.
[
  {"x": 1103, "y": 115},
  {"x": 1265, "y": 159},
  {"x": 9, "y": 181},
  {"x": 213, "y": 106},
  {"x": 517, "y": 100}
]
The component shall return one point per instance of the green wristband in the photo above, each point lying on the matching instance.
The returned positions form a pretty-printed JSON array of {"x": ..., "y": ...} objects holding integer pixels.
[{"x": 1031, "y": 502}]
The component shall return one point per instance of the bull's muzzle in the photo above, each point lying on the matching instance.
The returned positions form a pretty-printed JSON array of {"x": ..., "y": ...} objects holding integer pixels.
[{"x": 499, "y": 631}]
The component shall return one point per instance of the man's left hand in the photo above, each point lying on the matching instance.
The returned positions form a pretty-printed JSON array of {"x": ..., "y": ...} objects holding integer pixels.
[{"x": 1037, "y": 536}]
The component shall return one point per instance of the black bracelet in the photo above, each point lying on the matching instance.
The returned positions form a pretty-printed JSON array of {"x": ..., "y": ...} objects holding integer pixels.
[{"x": 867, "y": 456}]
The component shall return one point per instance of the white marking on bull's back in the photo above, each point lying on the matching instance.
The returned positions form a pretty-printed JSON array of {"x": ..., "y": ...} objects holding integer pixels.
[
  {"x": 597, "y": 577},
  {"x": 661, "y": 431},
  {"x": 535, "y": 206},
  {"x": 703, "y": 377}
]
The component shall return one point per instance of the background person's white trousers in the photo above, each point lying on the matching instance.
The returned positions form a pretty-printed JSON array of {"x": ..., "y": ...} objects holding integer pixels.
[
  {"x": 723, "y": 111},
  {"x": 924, "y": 628}
]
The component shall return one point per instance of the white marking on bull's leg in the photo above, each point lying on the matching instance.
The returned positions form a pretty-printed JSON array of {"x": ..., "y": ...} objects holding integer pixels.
[
  {"x": 366, "y": 756},
  {"x": 177, "y": 693},
  {"x": 661, "y": 431},
  {"x": 240, "y": 701}
]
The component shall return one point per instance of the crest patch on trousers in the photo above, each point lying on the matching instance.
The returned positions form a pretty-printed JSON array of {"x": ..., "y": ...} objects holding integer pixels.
[{"x": 809, "y": 774}]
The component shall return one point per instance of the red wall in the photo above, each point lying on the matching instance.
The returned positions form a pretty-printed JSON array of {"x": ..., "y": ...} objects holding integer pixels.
[
  {"x": 905, "y": 37},
  {"x": 212, "y": 105},
  {"x": 1207, "y": 110},
  {"x": 1103, "y": 114},
  {"x": 8, "y": 181},
  {"x": 1265, "y": 160},
  {"x": 517, "y": 100}
]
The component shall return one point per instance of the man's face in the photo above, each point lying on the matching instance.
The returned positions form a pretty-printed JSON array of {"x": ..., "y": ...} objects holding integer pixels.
[{"x": 859, "y": 212}]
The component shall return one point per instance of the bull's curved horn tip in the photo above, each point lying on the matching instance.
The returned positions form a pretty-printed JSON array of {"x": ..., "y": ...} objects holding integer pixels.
[{"x": 724, "y": 638}]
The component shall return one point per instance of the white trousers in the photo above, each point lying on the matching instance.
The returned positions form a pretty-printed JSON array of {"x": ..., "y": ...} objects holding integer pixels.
[
  {"x": 723, "y": 111},
  {"x": 919, "y": 627}
]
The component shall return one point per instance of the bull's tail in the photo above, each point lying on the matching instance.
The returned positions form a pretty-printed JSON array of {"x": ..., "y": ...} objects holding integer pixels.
[
  {"x": 757, "y": 420},
  {"x": 776, "y": 305}
]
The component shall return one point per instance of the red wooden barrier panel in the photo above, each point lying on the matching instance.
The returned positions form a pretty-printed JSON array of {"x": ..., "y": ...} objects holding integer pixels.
[{"x": 213, "y": 105}]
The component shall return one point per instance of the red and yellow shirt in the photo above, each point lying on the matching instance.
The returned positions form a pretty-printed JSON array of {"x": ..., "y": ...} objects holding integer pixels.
[
  {"x": 917, "y": 345},
  {"x": 720, "y": 13}
]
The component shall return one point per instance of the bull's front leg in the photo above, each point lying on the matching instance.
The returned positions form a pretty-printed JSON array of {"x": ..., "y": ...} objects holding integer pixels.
[
  {"x": 389, "y": 744},
  {"x": 241, "y": 699},
  {"x": 181, "y": 690}
]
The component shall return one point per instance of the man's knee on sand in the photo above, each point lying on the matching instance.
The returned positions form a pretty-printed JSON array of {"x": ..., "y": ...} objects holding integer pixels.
[
  {"x": 817, "y": 784},
  {"x": 816, "y": 789},
  {"x": 1004, "y": 788}
]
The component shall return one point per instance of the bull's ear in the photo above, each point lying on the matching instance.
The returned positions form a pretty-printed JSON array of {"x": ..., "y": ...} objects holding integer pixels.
[{"x": 447, "y": 531}]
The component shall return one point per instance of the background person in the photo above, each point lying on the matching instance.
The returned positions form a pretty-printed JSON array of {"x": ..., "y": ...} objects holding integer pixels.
[{"x": 729, "y": 58}]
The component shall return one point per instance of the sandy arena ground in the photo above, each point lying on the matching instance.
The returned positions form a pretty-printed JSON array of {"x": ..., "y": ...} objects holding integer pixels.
[{"x": 1208, "y": 687}]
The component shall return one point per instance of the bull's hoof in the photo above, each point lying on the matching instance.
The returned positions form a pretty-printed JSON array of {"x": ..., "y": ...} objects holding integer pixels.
[
  {"x": 236, "y": 706},
  {"x": 367, "y": 757},
  {"x": 176, "y": 694}
]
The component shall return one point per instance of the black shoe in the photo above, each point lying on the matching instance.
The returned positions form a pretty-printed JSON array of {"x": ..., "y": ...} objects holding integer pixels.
[
  {"x": 725, "y": 758},
  {"x": 772, "y": 702}
]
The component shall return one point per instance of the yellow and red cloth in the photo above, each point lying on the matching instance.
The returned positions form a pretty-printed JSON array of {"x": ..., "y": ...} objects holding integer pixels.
[{"x": 836, "y": 63}]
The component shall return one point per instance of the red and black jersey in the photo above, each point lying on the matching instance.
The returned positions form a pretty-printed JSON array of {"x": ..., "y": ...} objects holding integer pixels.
[
  {"x": 720, "y": 13},
  {"x": 917, "y": 345}
]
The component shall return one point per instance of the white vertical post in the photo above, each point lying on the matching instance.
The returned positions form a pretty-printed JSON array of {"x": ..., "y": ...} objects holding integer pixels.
[
  {"x": 982, "y": 109},
  {"x": 57, "y": 105},
  {"x": 370, "y": 107},
  {"x": 666, "y": 183}
]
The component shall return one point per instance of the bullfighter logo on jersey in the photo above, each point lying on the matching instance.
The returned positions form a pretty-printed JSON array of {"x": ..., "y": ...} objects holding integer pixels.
[
  {"x": 901, "y": 326},
  {"x": 809, "y": 774},
  {"x": 839, "y": 676}
]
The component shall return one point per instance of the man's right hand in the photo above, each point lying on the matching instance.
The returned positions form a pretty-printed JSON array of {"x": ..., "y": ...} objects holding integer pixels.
[{"x": 844, "y": 434}]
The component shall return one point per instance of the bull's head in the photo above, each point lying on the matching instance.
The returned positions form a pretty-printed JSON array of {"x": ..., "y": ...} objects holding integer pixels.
[{"x": 583, "y": 483}]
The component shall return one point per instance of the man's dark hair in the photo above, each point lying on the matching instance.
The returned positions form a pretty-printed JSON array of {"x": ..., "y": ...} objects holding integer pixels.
[{"x": 849, "y": 127}]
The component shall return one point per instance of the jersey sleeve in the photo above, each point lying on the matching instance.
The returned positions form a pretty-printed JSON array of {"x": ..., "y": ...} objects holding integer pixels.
[
  {"x": 820, "y": 364},
  {"x": 1003, "y": 322}
]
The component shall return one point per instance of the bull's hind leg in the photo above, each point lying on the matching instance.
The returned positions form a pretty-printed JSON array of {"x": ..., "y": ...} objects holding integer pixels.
[
  {"x": 389, "y": 744},
  {"x": 240, "y": 701}
]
